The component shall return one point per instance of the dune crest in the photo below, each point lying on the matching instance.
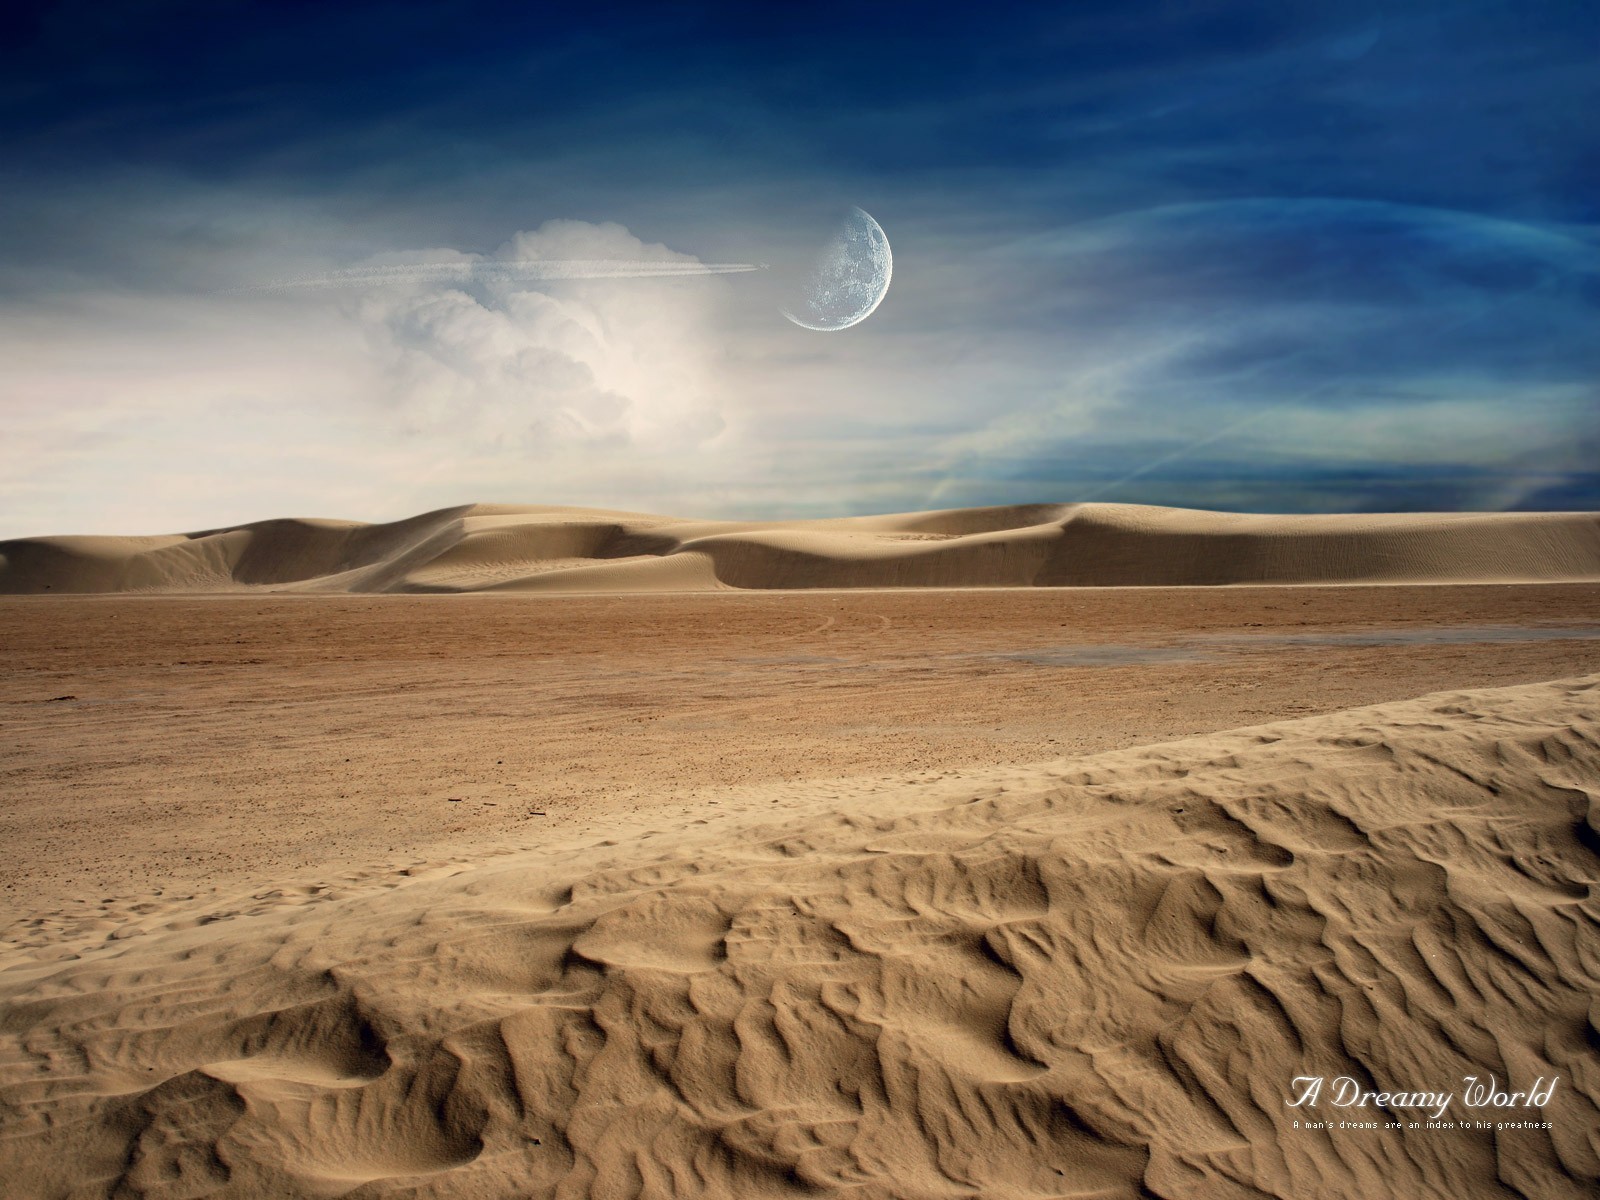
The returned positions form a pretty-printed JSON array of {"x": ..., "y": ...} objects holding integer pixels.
[
  {"x": 476, "y": 548},
  {"x": 1091, "y": 977}
]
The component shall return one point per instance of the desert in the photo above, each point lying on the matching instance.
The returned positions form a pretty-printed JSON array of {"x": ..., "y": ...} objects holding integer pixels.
[
  {"x": 799, "y": 601},
  {"x": 760, "y": 889},
  {"x": 495, "y": 547}
]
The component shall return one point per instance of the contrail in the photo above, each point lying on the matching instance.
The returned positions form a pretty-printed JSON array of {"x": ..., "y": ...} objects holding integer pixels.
[
  {"x": 1181, "y": 452},
  {"x": 1225, "y": 431},
  {"x": 530, "y": 269}
]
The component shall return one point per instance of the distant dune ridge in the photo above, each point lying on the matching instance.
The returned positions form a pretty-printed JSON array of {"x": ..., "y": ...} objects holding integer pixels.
[
  {"x": 1088, "y": 977},
  {"x": 477, "y": 548}
]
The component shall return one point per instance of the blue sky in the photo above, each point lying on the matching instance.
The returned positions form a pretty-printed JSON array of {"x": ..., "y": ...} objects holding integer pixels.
[{"x": 1258, "y": 256}]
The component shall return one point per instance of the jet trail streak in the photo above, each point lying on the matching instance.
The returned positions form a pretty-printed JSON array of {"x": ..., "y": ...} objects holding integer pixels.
[{"x": 531, "y": 269}]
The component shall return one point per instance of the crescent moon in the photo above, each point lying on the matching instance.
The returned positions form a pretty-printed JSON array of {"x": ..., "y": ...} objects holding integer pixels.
[{"x": 849, "y": 279}]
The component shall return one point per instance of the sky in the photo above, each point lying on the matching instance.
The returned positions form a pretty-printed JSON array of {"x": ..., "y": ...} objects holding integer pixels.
[{"x": 1286, "y": 256}]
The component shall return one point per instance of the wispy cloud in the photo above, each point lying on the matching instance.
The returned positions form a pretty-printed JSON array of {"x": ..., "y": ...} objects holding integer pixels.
[
  {"x": 1293, "y": 333},
  {"x": 1243, "y": 253}
]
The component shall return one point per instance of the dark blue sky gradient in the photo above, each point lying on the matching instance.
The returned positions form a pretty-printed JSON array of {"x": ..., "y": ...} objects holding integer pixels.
[
  {"x": 1123, "y": 226},
  {"x": 1485, "y": 106}
]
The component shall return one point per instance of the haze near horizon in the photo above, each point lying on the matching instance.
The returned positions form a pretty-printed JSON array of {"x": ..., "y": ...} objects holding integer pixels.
[{"x": 1304, "y": 258}]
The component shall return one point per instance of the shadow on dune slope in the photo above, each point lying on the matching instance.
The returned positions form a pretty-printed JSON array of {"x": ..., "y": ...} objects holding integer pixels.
[
  {"x": 1091, "y": 977},
  {"x": 500, "y": 548}
]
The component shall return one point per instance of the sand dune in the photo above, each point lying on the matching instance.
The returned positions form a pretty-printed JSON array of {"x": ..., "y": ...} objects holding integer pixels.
[
  {"x": 488, "y": 547},
  {"x": 1090, "y": 977}
]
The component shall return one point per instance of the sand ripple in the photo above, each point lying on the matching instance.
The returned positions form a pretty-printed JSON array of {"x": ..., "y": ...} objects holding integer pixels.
[{"x": 1094, "y": 977}]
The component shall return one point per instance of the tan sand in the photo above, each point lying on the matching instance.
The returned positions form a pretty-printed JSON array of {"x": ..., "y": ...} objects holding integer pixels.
[
  {"x": 221, "y": 746},
  {"x": 1092, "y": 976},
  {"x": 480, "y": 547}
]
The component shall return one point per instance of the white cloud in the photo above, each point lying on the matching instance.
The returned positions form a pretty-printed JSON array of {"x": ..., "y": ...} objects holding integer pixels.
[
  {"x": 573, "y": 366},
  {"x": 129, "y": 405},
  {"x": 144, "y": 413}
]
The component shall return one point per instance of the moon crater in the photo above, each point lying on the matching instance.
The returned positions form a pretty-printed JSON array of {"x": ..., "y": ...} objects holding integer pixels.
[{"x": 849, "y": 279}]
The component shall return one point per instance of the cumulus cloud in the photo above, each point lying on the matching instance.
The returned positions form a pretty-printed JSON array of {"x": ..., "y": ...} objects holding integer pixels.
[
  {"x": 551, "y": 365},
  {"x": 138, "y": 411}
]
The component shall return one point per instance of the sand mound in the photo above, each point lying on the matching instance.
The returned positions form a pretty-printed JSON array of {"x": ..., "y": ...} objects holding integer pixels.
[
  {"x": 497, "y": 547},
  {"x": 1094, "y": 977}
]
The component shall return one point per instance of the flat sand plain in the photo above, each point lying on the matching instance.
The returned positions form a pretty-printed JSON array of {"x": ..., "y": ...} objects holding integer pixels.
[
  {"x": 887, "y": 895},
  {"x": 197, "y": 746}
]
